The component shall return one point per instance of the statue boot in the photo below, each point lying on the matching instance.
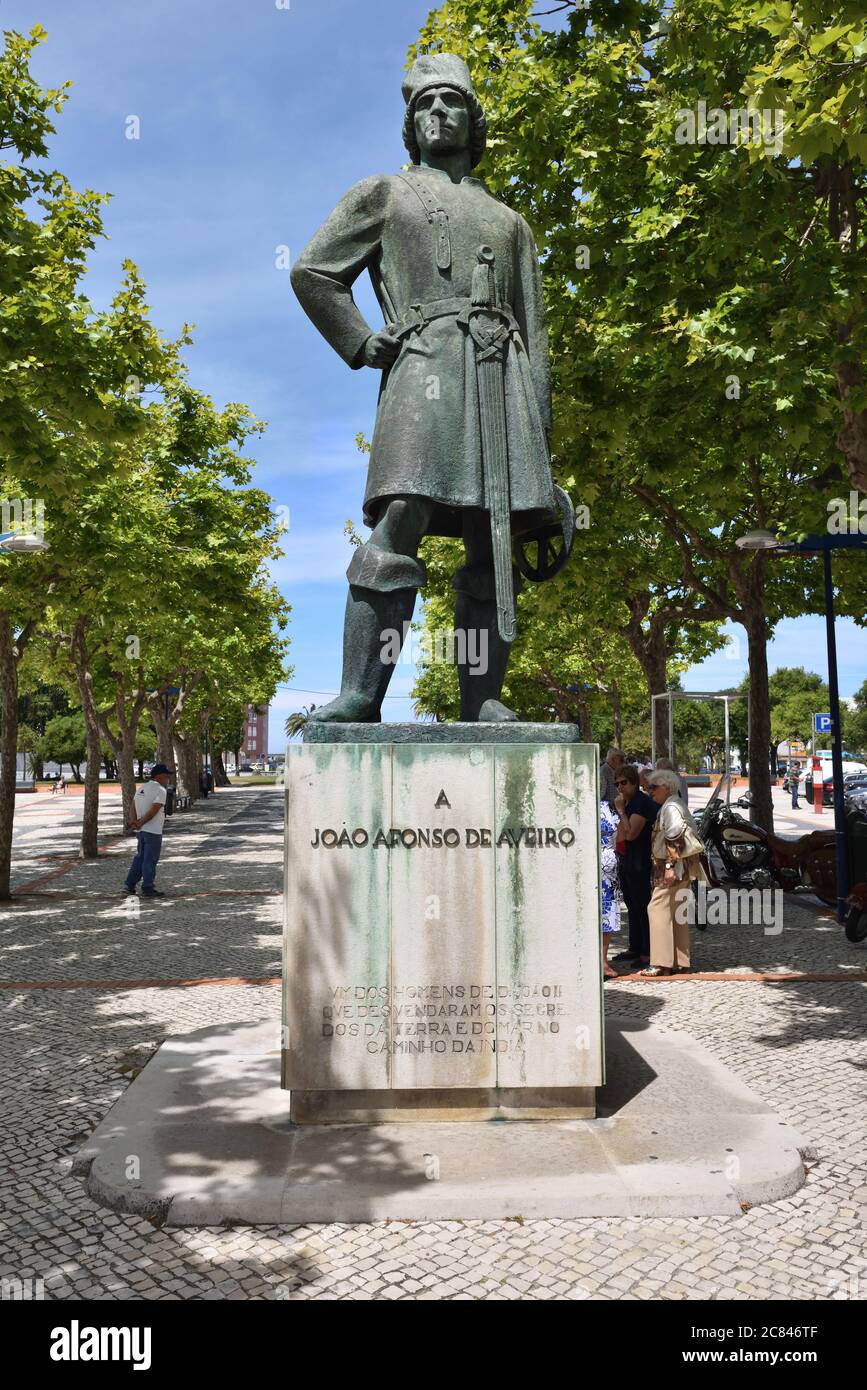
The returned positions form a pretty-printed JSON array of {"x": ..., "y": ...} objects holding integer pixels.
[
  {"x": 486, "y": 656},
  {"x": 379, "y": 607}
]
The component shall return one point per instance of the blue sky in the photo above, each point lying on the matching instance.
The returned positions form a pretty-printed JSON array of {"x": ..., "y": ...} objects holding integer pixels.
[{"x": 254, "y": 120}]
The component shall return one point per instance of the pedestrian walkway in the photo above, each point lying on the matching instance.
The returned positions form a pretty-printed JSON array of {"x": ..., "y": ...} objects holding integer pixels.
[{"x": 94, "y": 982}]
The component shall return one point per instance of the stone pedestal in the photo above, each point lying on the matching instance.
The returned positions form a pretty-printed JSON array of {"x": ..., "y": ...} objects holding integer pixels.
[{"x": 442, "y": 944}]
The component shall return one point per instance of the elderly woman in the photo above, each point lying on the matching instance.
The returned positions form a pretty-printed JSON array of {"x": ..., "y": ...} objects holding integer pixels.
[
  {"x": 676, "y": 851},
  {"x": 666, "y": 765}
]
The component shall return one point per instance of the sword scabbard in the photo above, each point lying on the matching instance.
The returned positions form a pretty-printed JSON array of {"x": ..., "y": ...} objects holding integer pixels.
[{"x": 490, "y": 329}]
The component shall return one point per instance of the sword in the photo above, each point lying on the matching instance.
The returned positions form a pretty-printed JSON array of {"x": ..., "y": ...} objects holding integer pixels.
[{"x": 490, "y": 328}]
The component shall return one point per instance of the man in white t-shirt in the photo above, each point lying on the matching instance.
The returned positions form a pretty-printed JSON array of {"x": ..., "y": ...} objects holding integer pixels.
[{"x": 148, "y": 821}]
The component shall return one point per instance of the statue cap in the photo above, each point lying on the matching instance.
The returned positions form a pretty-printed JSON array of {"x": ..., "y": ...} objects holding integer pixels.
[{"x": 437, "y": 70}]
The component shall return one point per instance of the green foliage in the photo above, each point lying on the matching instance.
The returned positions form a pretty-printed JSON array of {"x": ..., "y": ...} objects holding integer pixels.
[
  {"x": 158, "y": 543},
  {"x": 705, "y": 308},
  {"x": 796, "y": 695},
  {"x": 40, "y": 703},
  {"x": 297, "y": 722},
  {"x": 28, "y": 738},
  {"x": 63, "y": 741}
]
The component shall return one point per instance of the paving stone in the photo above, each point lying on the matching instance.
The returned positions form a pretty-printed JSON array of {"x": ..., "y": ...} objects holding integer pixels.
[{"x": 801, "y": 1047}]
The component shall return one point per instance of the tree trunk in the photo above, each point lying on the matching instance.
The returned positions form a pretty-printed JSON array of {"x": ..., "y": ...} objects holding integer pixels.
[
  {"x": 90, "y": 816},
  {"x": 618, "y": 714},
  {"x": 654, "y": 667},
  {"x": 844, "y": 219},
  {"x": 126, "y": 773},
  {"x": 650, "y": 651},
  {"x": 165, "y": 746},
  {"x": 187, "y": 767},
  {"x": 584, "y": 723},
  {"x": 852, "y": 438},
  {"x": 756, "y": 627},
  {"x": 123, "y": 744},
  {"x": 8, "y": 749},
  {"x": 221, "y": 778}
]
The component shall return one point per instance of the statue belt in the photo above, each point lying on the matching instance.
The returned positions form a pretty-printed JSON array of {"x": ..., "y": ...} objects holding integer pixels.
[{"x": 420, "y": 315}]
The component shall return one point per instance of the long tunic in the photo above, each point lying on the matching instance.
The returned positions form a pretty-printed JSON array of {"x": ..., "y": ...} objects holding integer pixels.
[{"x": 427, "y": 438}]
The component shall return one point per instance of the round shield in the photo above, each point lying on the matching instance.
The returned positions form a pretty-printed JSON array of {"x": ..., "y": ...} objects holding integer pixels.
[{"x": 542, "y": 553}]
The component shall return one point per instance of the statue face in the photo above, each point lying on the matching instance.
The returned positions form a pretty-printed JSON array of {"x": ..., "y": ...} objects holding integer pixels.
[{"x": 442, "y": 121}]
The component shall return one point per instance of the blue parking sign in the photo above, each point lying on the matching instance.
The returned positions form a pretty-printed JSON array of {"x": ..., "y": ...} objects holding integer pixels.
[{"x": 822, "y": 723}]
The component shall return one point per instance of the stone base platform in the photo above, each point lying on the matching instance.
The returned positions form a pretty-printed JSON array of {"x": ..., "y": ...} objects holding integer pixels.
[
  {"x": 203, "y": 1136},
  {"x": 460, "y": 1105}
]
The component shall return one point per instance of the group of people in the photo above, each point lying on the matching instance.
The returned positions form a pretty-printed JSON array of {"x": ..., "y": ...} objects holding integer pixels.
[{"x": 651, "y": 855}]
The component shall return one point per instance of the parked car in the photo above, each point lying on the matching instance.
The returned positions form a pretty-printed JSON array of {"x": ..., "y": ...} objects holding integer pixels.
[
  {"x": 827, "y": 788},
  {"x": 850, "y": 763},
  {"x": 856, "y": 797}
]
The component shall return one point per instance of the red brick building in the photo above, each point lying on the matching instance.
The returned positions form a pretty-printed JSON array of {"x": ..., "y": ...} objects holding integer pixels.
[{"x": 254, "y": 743}]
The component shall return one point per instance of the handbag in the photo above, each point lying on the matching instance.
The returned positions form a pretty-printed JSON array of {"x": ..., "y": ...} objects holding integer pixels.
[{"x": 690, "y": 842}]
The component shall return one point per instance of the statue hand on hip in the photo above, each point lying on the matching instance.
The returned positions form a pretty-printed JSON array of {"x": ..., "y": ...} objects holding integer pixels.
[{"x": 380, "y": 350}]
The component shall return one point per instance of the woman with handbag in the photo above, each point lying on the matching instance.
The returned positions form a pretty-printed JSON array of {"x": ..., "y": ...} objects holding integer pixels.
[{"x": 676, "y": 850}]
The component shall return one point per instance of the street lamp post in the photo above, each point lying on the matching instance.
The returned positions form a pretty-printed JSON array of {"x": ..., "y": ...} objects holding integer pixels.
[{"x": 823, "y": 545}]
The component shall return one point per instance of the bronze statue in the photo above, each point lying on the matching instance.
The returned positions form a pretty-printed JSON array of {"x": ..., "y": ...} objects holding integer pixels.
[{"x": 460, "y": 446}]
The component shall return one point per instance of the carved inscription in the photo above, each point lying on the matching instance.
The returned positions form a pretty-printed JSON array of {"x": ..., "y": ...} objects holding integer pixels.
[
  {"x": 468, "y": 1018},
  {"x": 435, "y": 837}
]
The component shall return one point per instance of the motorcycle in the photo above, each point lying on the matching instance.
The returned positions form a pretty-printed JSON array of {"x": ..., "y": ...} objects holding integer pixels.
[
  {"x": 856, "y": 922},
  {"x": 810, "y": 863},
  {"x": 730, "y": 840},
  {"x": 807, "y": 864},
  {"x": 747, "y": 852}
]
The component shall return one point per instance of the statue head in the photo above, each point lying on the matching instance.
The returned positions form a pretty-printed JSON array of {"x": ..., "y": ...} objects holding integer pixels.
[{"x": 443, "y": 113}]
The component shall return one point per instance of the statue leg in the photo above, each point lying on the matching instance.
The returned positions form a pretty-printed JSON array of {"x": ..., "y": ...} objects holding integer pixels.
[
  {"x": 384, "y": 577},
  {"x": 481, "y": 654}
]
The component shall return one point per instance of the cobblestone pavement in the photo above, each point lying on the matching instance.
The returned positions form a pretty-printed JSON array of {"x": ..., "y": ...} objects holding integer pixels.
[{"x": 70, "y": 1051}]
